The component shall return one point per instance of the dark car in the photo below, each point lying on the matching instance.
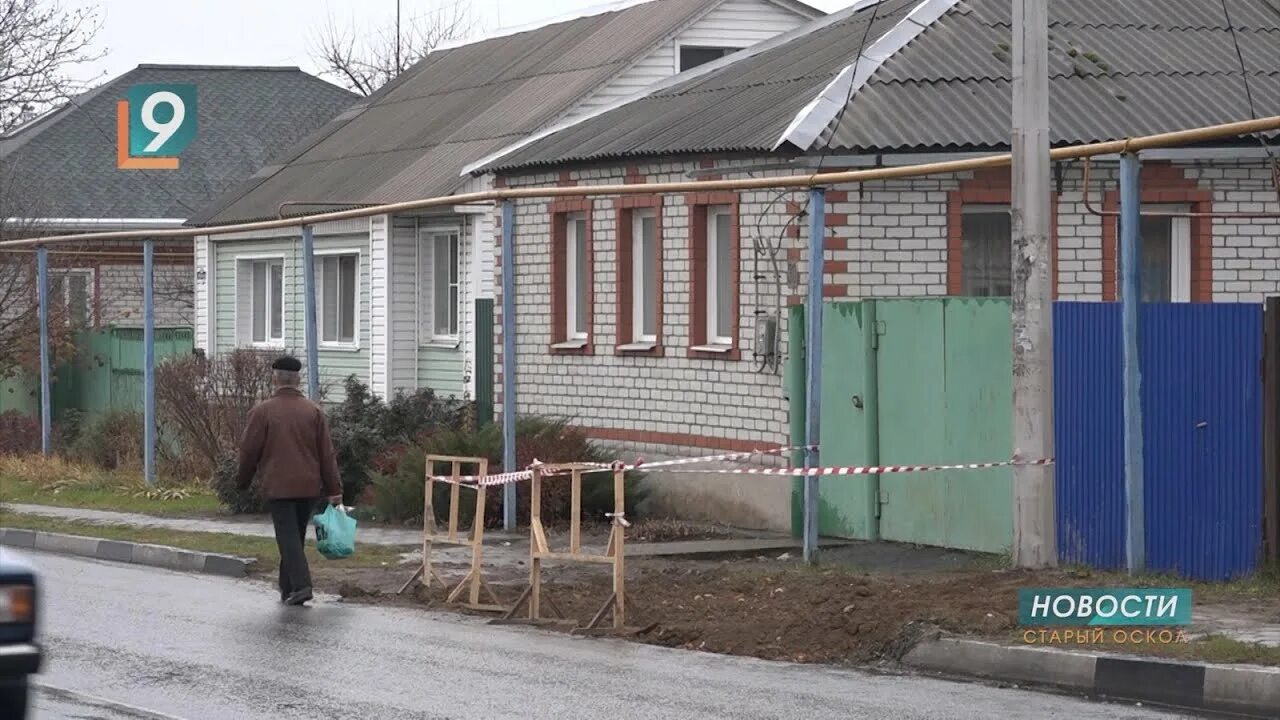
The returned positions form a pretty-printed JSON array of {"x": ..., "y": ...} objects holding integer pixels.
[{"x": 19, "y": 654}]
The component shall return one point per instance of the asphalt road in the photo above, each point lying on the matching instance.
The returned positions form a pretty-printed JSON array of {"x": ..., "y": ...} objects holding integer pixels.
[{"x": 204, "y": 648}]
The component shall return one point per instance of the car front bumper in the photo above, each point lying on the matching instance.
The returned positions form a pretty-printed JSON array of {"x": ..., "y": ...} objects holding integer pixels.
[{"x": 20, "y": 659}]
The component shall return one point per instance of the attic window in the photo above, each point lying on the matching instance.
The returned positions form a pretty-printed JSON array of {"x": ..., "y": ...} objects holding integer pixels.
[{"x": 693, "y": 56}]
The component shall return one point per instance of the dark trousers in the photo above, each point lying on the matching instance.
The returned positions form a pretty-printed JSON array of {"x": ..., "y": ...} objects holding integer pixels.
[{"x": 291, "y": 519}]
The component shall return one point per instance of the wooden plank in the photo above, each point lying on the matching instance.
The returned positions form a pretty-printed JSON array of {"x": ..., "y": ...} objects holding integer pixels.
[
  {"x": 575, "y": 558},
  {"x": 455, "y": 501},
  {"x": 457, "y": 592},
  {"x": 599, "y": 616},
  {"x": 538, "y": 541},
  {"x": 416, "y": 574},
  {"x": 520, "y": 601},
  {"x": 459, "y": 459},
  {"x": 619, "y": 547},
  {"x": 477, "y": 548},
  {"x": 575, "y": 513}
]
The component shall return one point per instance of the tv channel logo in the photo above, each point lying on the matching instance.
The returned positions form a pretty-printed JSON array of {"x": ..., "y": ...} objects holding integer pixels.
[{"x": 154, "y": 124}]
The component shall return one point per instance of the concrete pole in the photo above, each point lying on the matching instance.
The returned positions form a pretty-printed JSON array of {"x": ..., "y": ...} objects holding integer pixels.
[
  {"x": 1130, "y": 312},
  {"x": 1034, "y": 540},
  {"x": 813, "y": 368},
  {"x": 508, "y": 361},
  {"x": 46, "y": 366},
  {"x": 149, "y": 425},
  {"x": 309, "y": 312}
]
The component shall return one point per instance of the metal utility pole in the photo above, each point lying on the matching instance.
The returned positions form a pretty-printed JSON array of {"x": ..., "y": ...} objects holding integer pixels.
[
  {"x": 813, "y": 369},
  {"x": 1034, "y": 540},
  {"x": 1130, "y": 313},
  {"x": 399, "y": 68},
  {"x": 46, "y": 364}
]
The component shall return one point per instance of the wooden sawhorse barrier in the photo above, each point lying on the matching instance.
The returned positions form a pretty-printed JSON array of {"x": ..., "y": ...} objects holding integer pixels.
[
  {"x": 474, "y": 581},
  {"x": 540, "y": 552}
]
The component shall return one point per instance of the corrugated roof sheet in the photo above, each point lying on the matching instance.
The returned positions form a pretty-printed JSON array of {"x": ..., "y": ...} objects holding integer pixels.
[
  {"x": 1118, "y": 68},
  {"x": 456, "y": 106},
  {"x": 65, "y": 163}
]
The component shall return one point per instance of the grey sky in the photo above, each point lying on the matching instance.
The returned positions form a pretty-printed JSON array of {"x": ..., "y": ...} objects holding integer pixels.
[{"x": 273, "y": 32}]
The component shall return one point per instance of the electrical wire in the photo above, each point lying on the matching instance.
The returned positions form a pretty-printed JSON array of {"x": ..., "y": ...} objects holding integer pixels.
[{"x": 1248, "y": 93}]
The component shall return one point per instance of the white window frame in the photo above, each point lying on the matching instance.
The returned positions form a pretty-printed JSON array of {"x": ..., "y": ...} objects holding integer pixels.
[
  {"x": 90, "y": 296},
  {"x": 269, "y": 258},
  {"x": 1179, "y": 252},
  {"x": 989, "y": 209},
  {"x": 431, "y": 235},
  {"x": 712, "y": 285},
  {"x": 571, "y": 290},
  {"x": 702, "y": 46},
  {"x": 319, "y": 287},
  {"x": 638, "y": 304}
]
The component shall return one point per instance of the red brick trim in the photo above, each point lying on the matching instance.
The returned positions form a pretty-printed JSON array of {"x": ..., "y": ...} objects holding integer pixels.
[
  {"x": 623, "y": 207},
  {"x": 634, "y": 176},
  {"x": 987, "y": 187},
  {"x": 560, "y": 210},
  {"x": 709, "y": 164},
  {"x": 698, "y": 204},
  {"x": 566, "y": 179},
  {"x": 676, "y": 439},
  {"x": 1163, "y": 183}
]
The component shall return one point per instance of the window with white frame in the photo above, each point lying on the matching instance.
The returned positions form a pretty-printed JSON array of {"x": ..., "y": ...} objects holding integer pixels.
[
  {"x": 987, "y": 251},
  {"x": 74, "y": 290},
  {"x": 577, "y": 276},
  {"x": 720, "y": 270},
  {"x": 339, "y": 301},
  {"x": 691, "y": 56},
  {"x": 644, "y": 276},
  {"x": 266, "y": 300},
  {"x": 446, "y": 258},
  {"x": 1165, "y": 272}
]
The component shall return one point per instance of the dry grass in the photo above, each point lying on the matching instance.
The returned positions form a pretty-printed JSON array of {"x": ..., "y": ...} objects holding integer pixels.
[{"x": 53, "y": 481}]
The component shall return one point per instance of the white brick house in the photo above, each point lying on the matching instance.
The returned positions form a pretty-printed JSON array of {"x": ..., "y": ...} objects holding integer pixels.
[
  {"x": 410, "y": 324},
  {"x": 700, "y": 382}
]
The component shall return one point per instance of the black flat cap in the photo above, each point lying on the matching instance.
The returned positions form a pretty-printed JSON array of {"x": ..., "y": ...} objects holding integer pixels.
[{"x": 287, "y": 364}]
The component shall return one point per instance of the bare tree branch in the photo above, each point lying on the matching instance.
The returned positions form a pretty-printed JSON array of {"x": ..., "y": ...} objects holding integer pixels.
[
  {"x": 366, "y": 63},
  {"x": 39, "y": 43}
]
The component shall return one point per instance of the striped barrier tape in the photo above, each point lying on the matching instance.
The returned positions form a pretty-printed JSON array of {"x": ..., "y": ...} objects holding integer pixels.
[
  {"x": 858, "y": 470},
  {"x": 639, "y": 464}
]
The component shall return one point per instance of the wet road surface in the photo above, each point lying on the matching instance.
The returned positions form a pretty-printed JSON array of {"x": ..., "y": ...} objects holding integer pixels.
[{"x": 204, "y": 648}]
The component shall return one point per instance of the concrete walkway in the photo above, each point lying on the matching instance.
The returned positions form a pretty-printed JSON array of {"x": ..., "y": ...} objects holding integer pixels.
[{"x": 407, "y": 537}]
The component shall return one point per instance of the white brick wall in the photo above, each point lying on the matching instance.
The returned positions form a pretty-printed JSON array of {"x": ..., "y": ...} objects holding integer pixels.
[
  {"x": 893, "y": 245},
  {"x": 120, "y": 294}
]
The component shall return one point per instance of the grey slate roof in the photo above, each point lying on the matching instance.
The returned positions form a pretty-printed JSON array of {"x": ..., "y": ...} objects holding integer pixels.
[
  {"x": 1118, "y": 68},
  {"x": 247, "y": 116},
  {"x": 457, "y": 105}
]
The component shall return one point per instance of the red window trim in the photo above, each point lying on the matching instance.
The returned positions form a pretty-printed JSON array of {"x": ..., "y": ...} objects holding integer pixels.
[
  {"x": 988, "y": 187},
  {"x": 698, "y": 204},
  {"x": 623, "y": 208},
  {"x": 1167, "y": 185},
  {"x": 560, "y": 210}
]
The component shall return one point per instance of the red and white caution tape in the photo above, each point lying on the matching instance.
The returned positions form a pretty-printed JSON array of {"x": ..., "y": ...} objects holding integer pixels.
[
  {"x": 857, "y": 470},
  {"x": 639, "y": 464}
]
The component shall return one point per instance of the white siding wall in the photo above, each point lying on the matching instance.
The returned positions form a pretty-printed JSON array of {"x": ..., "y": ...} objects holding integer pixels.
[
  {"x": 201, "y": 319},
  {"x": 735, "y": 23},
  {"x": 379, "y": 335}
]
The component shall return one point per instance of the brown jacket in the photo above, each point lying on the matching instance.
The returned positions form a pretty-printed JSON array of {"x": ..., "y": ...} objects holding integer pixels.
[{"x": 287, "y": 441}]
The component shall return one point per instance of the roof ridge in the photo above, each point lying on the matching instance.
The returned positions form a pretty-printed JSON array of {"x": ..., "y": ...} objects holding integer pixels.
[
  {"x": 502, "y": 32},
  {"x": 813, "y": 120},
  {"x": 679, "y": 79},
  {"x": 185, "y": 66}
]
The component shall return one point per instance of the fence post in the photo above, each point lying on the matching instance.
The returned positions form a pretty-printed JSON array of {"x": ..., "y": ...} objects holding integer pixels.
[
  {"x": 813, "y": 368},
  {"x": 149, "y": 360},
  {"x": 508, "y": 361},
  {"x": 1130, "y": 307},
  {"x": 484, "y": 361},
  {"x": 46, "y": 384},
  {"x": 309, "y": 310}
]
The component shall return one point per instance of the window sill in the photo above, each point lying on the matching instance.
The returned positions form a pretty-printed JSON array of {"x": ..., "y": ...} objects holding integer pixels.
[
  {"x": 571, "y": 347},
  {"x": 647, "y": 348},
  {"x": 339, "y": 347},
  {"x": 267, "y": 345},
  {"x": 446, "y": 343},
  {"x": 715, "y": 352}
]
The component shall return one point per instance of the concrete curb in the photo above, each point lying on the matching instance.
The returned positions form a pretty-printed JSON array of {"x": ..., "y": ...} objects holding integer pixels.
[
  {"x": 160, "y": 556},
  {"x": 1248, "y": 690}
]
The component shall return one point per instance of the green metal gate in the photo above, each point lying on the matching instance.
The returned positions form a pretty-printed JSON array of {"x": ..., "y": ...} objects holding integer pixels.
[{"x": 912, "y": 382}]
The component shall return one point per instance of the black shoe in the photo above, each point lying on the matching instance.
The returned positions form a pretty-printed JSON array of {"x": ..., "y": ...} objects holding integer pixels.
[
  {"x": 284, "y": 596},
  {"x": 298, "y": 597}
]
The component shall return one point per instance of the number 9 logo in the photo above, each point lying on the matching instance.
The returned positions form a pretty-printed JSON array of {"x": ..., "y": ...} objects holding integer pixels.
[
  {"x": 160, "y": 121},
  {"x": 164, "y": 130}
]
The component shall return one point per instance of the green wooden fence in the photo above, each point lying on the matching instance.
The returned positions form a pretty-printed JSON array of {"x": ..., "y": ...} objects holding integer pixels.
[{"x": 106, "y": 373}]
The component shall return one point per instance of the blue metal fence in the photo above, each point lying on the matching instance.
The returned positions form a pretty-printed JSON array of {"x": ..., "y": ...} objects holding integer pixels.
[{"x": 1202, "y": 422}]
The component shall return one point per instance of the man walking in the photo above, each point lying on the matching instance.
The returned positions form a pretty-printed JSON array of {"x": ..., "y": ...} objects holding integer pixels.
[{"x": 287, "y": 443}]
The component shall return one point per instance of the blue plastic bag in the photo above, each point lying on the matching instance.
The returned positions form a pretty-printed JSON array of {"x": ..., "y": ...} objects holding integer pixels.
[{"x": 335, "y": 533}]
